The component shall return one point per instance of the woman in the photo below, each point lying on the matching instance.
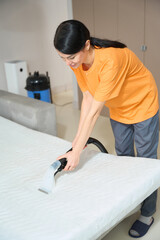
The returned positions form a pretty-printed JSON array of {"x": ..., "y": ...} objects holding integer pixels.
[{"x": 110, "y": 74}]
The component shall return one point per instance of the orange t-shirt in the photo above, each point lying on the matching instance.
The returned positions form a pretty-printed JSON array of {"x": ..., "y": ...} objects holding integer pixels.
[{"x": 118, "y": 77}]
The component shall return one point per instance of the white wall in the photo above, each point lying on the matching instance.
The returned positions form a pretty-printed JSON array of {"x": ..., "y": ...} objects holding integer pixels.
[{"x": 27, "y": 29}]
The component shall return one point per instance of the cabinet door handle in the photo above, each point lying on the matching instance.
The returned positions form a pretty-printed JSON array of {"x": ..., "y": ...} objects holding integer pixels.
[{"x": 143, "y": 48}]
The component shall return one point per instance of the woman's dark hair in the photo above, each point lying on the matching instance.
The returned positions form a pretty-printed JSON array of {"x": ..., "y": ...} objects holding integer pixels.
[{"x": 71, "y": 36}]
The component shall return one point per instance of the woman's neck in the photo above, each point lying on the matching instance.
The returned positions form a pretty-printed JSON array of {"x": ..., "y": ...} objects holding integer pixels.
[{"x": 89, "y": 59}]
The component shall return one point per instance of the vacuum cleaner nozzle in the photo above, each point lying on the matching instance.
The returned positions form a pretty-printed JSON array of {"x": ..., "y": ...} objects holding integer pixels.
[{"x": 48, "y": 181}]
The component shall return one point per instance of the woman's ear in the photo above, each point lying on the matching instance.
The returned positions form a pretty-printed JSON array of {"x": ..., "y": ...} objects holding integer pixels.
[{"x": 87, "y": 45}]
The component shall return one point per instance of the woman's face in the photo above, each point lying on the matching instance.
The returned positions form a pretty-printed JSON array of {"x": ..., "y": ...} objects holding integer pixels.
[{"x": 73, "y": 60}]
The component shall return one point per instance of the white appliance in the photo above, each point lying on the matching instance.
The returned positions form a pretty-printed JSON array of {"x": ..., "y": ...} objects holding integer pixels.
[{"x": 16, "y": 75}]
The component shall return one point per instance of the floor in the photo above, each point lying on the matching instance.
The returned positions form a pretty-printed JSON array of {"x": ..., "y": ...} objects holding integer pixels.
[{"x": 67, "y": 123}]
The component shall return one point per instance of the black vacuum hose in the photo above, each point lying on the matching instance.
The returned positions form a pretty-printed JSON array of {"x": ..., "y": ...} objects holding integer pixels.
[{"x": 97, "y": 143}]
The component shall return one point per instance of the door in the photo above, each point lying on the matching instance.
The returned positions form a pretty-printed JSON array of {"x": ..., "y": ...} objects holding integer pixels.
[{"x": 152, "y": 39}]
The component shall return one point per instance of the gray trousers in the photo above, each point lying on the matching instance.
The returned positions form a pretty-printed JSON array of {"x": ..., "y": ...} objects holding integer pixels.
[{"x": 145, "y": 135}]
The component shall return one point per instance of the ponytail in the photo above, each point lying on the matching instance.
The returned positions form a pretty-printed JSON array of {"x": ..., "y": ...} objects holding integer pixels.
[{"x": 105, "y": 43}]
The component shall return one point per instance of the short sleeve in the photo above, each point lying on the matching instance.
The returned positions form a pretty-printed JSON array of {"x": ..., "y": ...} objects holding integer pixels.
[
  {"x": 80, "y": 80},
  {"x": 111, "y": 78}
]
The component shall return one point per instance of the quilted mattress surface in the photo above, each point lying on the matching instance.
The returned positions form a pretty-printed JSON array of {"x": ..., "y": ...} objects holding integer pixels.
[{"x": 101, "y": 191}]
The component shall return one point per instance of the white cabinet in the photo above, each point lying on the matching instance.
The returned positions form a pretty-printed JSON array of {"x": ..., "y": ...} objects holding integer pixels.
[{"x": 16, "y": 75}]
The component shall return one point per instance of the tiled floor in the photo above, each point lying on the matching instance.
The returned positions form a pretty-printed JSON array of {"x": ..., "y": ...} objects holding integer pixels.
[{"x": 67, "y": 123}]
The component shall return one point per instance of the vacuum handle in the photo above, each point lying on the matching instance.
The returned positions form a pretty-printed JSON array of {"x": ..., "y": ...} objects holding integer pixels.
[
  {"x": 90, "y": 140},
  {"x": 63, "y": 162}
]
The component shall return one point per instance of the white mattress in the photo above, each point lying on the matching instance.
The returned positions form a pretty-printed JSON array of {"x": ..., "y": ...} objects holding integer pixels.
[{"x": 86, "y": 202}]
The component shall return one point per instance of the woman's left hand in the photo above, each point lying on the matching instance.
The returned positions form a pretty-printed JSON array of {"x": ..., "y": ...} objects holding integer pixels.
[{"x": 72, "y": 160}]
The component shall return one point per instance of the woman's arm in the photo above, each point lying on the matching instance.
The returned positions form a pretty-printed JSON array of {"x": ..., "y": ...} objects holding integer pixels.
[
  {"x": 88, "y": 119},
  {"x": 85, "y": 106}
]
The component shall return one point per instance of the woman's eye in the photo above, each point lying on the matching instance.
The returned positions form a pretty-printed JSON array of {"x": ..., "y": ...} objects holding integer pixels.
[
  {"x": 72, "y": 57},
  {"x": 63, "y": 58}
]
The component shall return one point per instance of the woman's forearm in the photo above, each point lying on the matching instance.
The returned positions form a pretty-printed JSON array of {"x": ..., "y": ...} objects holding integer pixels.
[
  {"x": 88, "y": 125},
  {"x": 85, "y": 107}
]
